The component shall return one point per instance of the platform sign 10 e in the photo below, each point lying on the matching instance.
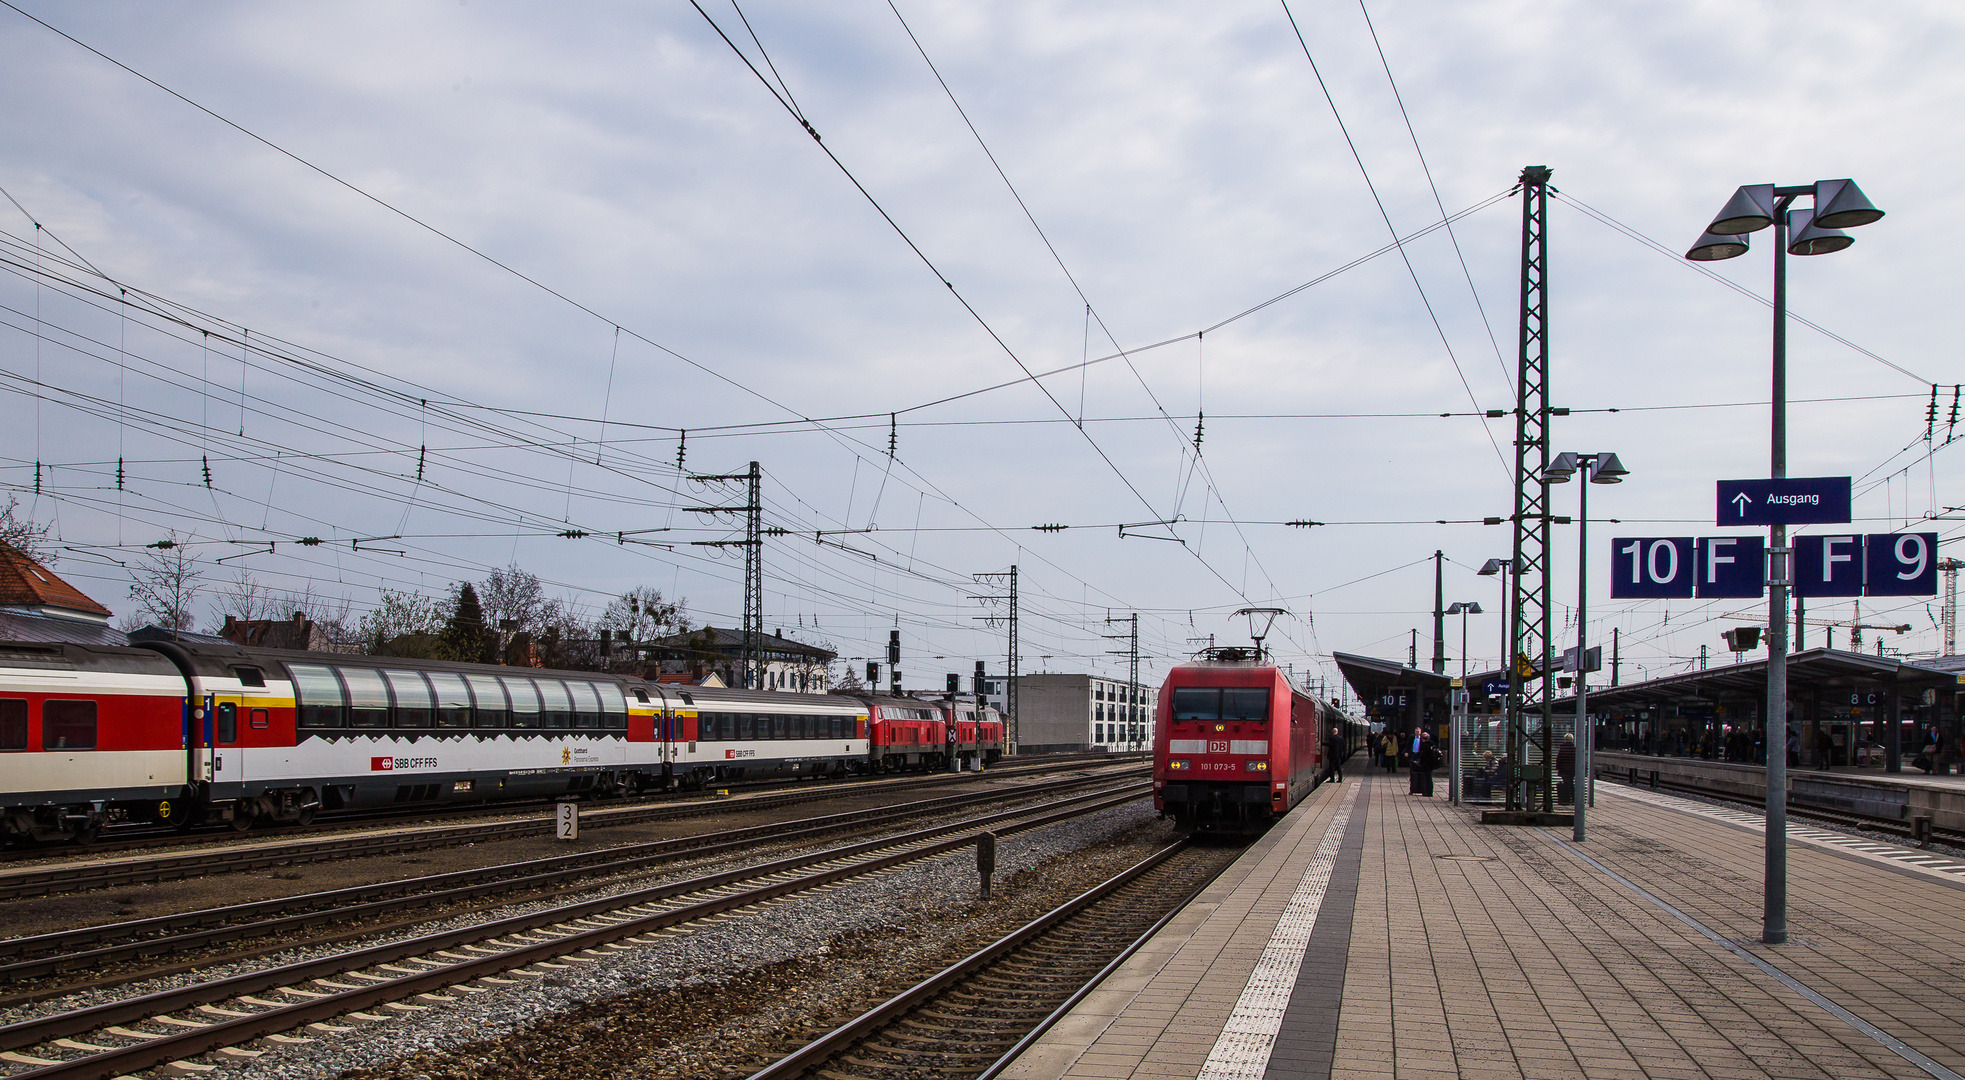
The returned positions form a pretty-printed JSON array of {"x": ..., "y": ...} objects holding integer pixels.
[{"x": 1681, "y": 567}]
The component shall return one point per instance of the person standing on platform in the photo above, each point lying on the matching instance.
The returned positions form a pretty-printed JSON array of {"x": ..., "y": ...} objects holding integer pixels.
[
  {"x": 1794, "y": 747},
  {"x": 1424, "y": 760},
  {"x": 1566, "y": 770},
  {"x": 1334, "y": 755},
  {"x": 1412, "y": 761},
  {"x": 1390, "y": 744}
]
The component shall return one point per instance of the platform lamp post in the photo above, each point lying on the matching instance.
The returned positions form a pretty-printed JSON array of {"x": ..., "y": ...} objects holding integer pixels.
[
  {"x": 1598, "y": 468},
  {"x": 1460, "y": 695},
  {"x": 1838, "y": 205},
  {"x": 1501, "y": 568}
]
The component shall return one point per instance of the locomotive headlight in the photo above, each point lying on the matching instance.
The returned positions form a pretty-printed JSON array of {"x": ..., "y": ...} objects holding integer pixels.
[
  {"x": 1177, "y": 766},
  {"x": 1258, "y": 766}
]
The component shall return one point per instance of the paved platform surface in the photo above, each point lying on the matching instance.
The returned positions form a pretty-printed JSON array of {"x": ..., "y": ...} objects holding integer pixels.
[{"x": 1377, "y": 934}]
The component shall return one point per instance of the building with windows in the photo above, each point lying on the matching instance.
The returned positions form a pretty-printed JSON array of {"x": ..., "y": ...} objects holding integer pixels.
[
  {"x": 1066, "y": 713},
  {"x": 699, "y": 654}
]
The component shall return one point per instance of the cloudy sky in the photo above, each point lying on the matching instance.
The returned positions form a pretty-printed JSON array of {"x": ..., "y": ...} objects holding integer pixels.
[{"x": 529, "y": 248}]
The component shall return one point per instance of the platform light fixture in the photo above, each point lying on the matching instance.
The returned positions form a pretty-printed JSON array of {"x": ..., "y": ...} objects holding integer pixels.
[
  {"x": 1837, "y": 205},
  {"x": 1601, "y": 467}
]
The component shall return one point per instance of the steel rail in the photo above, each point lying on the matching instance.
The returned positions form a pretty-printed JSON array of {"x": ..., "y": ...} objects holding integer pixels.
[
  {"x": 840, "y": 1038},
  {"x": 915, "y": 846},
  {"x": 138, "y": 837},
  {"x": 54, "y": 878},
  {"x": 1805, "y": 811},
  {"x": 62, "y": 950}
]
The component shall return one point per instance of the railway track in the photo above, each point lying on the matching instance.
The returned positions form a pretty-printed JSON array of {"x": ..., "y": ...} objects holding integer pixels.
[
  {"x": 69, "y": 877},
  {"x": 38, "y": 956},
  {"x": 972, "y": 1018},
  {"x": 1820, "y": 815},
  {"x": 365, "y": 985},
  {"x": 134, "y": 837}
]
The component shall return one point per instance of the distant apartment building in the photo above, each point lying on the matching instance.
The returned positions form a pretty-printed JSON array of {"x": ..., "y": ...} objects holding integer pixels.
[{"x": 1065, "y": 713}]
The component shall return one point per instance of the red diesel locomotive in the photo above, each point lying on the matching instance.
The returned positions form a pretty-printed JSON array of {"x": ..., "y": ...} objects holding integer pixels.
[{"x": 1235, "y": 745}]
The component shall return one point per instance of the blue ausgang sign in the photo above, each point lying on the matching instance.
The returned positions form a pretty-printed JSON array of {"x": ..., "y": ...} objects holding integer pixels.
[{"x": 1800, "y": 500}]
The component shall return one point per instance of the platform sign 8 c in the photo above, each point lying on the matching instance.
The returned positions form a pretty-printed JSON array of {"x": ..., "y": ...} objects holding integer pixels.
[{"x": 1652, "y": 568}]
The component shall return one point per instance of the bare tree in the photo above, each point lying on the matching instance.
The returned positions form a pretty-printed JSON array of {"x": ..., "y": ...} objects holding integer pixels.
[
  {"x": 333, "y": 616},
  {"x": 166, "y": 586},
  {"x": 401, "y": 613},
  {"x": 24, "y": 535},
  {"x": 641, "y": 614},
  {"x": 246, "y": 598},
  {"x": 515, "y": 595}
]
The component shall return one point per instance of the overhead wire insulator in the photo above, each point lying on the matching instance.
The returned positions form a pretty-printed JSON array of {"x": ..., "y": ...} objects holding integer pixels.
[
  {"x": 309, "y": 541},
  {"x": 573, "y": 534},
  {"x": 893, "y": 433},
  {"x": 1199, "y": 418},
  {"x": 1302, "y": 523},
  {"x": 162, "y": 545},
  {"x": 119, "y": 474},
  {"x": 1931, "y": 414},
  {"x": 681, "y": 449},
  {"x": 421, "y": 453},
  {"x": 1951, "y": 423},
  {"x": 37, "y": 468},
  {"x": 208, "y": 470},
  {"x": 1051, "y": 528}
]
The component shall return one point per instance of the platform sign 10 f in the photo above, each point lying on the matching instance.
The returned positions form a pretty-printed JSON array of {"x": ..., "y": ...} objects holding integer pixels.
[{"x": 1681, "y": 567}]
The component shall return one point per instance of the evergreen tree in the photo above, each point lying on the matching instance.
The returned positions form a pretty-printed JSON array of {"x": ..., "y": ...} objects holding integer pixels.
[{"x": 465, "y": 636}]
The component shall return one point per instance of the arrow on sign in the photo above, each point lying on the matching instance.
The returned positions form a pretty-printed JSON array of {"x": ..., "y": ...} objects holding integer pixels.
[{"x": 1742, "y": 502}]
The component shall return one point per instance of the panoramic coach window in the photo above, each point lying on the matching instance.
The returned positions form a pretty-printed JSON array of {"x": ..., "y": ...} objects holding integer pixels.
[
  {"x": 13, "y": 723},
  {"x": 778, "y": 727},
  {"x": 368, "y": 697},
  {"x": 68, "y": 725},
  {"x": 525, "y": 701},
  {"x": 492, "y": 709},
  {"x": 586, "y": 704},
  {"x": 453, "y": 700},
  {"x": 413, "y": 706},
  {"x": 556, "y": 707},
  {"x": 614, "y": 706},
  {"x": 318, "y": 695}
]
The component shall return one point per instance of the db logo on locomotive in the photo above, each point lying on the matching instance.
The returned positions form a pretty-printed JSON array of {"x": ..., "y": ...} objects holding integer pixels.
[{"x": 1217, "y": 746}]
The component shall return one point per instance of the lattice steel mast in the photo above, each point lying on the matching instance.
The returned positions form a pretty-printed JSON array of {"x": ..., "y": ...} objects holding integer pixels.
[{"x": 1531, "y": 630}]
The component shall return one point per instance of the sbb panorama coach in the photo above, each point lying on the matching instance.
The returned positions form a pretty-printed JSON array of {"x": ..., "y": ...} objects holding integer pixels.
[
  {"x": 1235, "y": 745},
  {"x": 184, "y": 734}
]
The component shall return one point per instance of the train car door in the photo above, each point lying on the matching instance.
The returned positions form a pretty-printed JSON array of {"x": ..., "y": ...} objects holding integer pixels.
[{"x": 218, "y": 761}]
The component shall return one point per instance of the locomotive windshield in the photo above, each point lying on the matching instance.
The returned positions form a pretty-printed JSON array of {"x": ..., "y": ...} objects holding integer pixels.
[{"x": 1209, "y": 703}]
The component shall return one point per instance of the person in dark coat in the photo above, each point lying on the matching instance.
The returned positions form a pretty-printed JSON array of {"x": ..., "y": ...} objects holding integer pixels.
[
  {"x": 1424, "y": 760},
  {"x": 1334, "y": 754},
  {"x": 1566, "y": 769}
]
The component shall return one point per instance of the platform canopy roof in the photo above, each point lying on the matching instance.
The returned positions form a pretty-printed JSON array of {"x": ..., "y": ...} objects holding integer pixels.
[{"x": 1810, "y": 672}]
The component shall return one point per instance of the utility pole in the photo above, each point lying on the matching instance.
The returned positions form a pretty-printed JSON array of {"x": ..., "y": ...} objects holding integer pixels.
[
  {"x": 753, "y": 545},
  {"x": 1133, "y": 732},
  {"x": 1010, "y": 733},
  {"x": 1439, "y": 613},
  {"x": 1616, "y": 661},
  {"x": 1531, "y": 631},
  {"x": 1950, "y": 567}
]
